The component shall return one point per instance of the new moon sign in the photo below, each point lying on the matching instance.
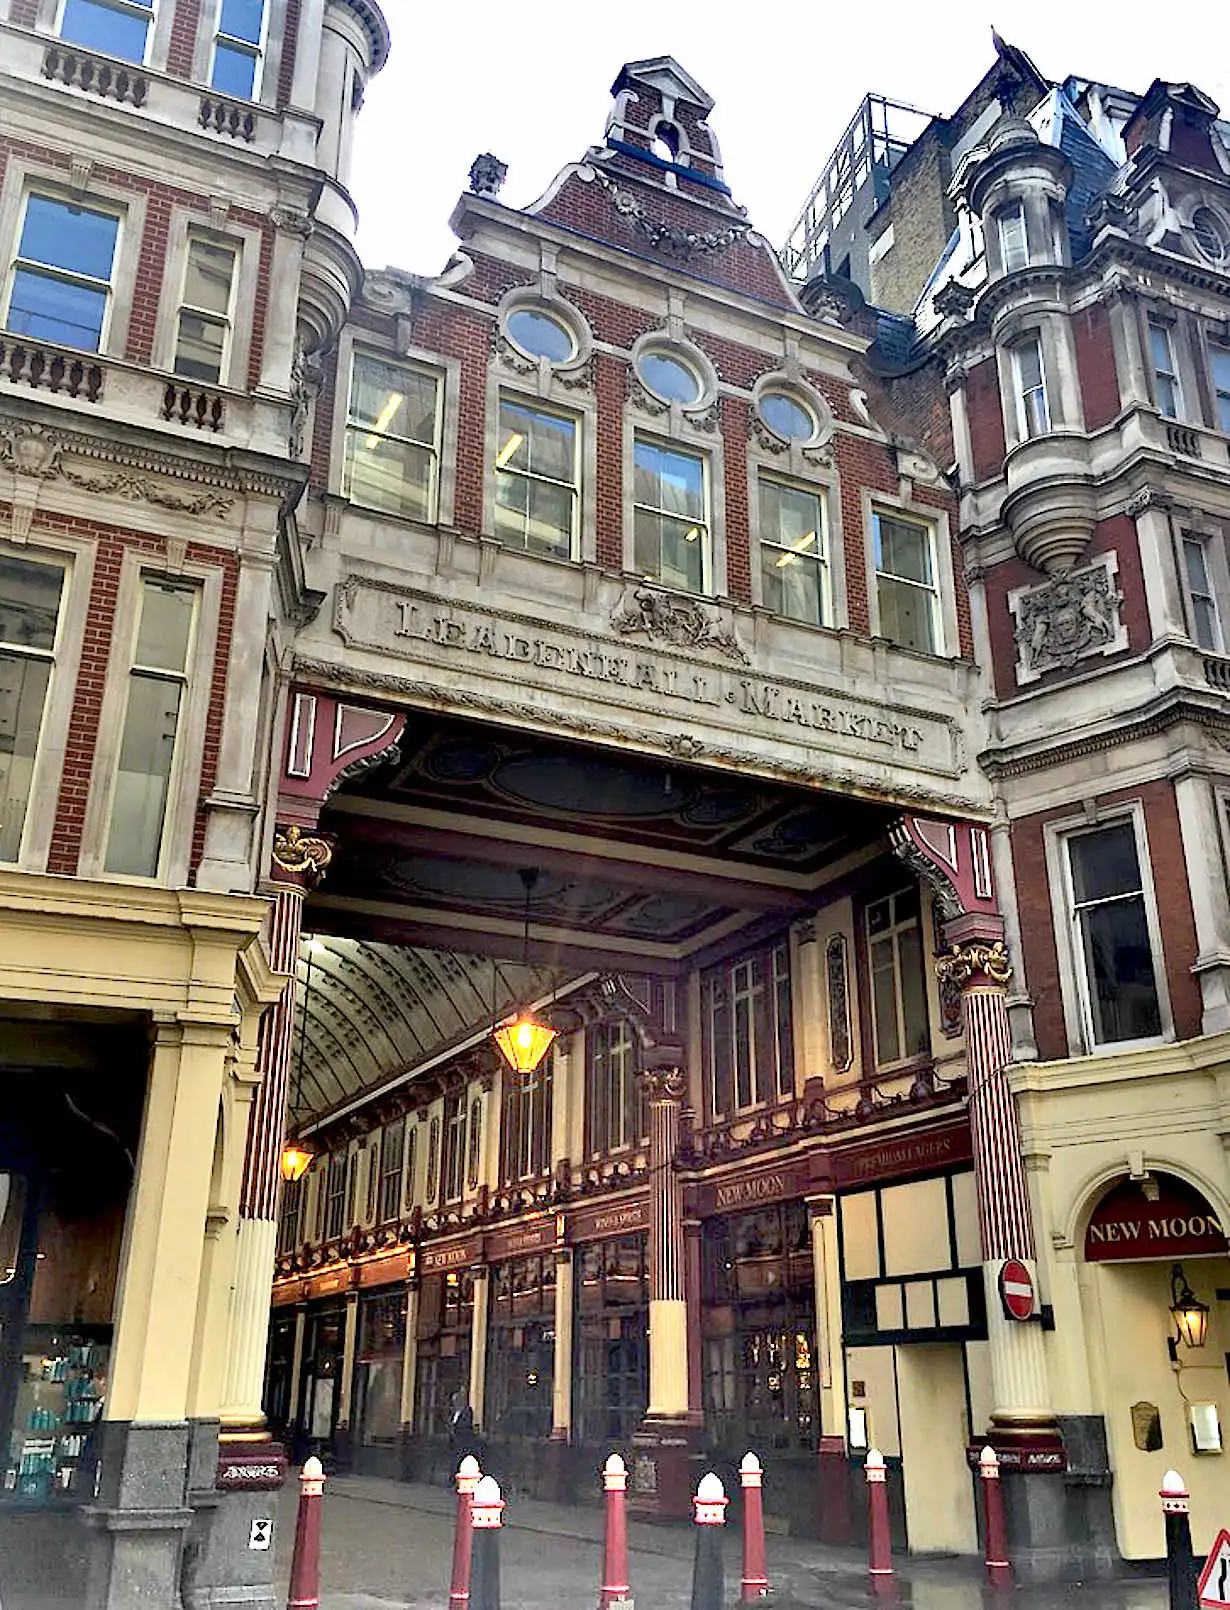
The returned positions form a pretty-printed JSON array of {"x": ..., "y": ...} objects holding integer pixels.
[{"x": 1127, "y": 1225}]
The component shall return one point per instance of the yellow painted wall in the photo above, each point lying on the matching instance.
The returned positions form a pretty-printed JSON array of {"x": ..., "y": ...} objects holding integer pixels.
[{"x": 934, "y": 1430}]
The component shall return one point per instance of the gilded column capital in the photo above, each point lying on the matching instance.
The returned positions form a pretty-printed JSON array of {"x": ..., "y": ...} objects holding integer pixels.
[
  {"x": 976, "y": 960},
  {"x": 300, "y": 857},
  {"x": 665, "y": 1084}
]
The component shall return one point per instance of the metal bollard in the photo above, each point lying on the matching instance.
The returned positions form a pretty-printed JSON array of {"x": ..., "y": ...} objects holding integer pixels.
[
  {"x": 468, "y": 1474},
  {"x": 305, "y": 1561},
  {"x": 486, "y": 1512},
  {"x": 999, "y": 1568},
  {"x": 709, "y": 1514},
  {"x": 615, "y": 1554},
  {"x": 1180, "y": 1564},
  {"x": 755, "y": 1582},
  {"x": 879, "y": 1538}
]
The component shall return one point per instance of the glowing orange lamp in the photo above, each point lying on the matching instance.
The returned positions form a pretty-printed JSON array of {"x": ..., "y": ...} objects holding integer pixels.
[
  {"x": 524, "y": 1040},
  {"x": 295, "y": 1160}
]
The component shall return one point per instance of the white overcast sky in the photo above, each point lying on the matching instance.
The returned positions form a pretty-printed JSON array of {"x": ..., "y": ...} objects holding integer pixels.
[{"x": 531, "y": 83}]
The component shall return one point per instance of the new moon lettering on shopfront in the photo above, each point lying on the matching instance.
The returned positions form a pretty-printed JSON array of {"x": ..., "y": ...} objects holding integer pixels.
[
  {"x": 749, "y": 1191},
  {"x": 1176, "y": 1222},
  {"x": 568, "y": 662}
]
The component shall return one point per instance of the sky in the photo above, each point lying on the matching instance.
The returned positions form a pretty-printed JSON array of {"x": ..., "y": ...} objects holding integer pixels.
[{"x": 531, "y": 83}]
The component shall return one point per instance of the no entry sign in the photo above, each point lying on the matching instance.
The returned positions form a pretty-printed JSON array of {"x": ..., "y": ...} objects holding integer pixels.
[{"x": 1016, "y": 1289}]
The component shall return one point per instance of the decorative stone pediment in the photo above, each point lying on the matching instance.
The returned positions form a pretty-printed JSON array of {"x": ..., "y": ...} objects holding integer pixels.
[
  {"x": 679, "y": 621},
  {"x": 1073, "y": 617}
]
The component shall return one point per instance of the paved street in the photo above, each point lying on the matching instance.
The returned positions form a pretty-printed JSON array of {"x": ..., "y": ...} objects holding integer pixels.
[{"x": 387, "y": 1546}]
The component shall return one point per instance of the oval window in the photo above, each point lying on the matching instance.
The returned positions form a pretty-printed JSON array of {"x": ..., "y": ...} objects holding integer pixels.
[
  {"x": 669, "y": 378},
  {"x": 786, "y": 417},
  {"x": 539, "y": 335},
  {"x": 1210, "y": 235}
]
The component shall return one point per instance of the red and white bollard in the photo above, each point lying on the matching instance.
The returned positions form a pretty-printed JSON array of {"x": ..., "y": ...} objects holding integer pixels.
[
  {"x": 486, "y": 1518},
  {"x": 305, "y": 1561},
  {"x": 615, "y": 1555},
  {"x": 999, "y": 1567},
  {"x": 709, "y": 1513},
  {"x": 468, "y": 1474},
  {"x": 879, "y": 1538},
  {"x": 755, "y": 1582}
]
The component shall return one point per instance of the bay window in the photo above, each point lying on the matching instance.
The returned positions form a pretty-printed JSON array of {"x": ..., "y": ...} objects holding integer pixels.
[
  {"x": 1013, "y": 239},
  {"x": 1032, "y": 410}
]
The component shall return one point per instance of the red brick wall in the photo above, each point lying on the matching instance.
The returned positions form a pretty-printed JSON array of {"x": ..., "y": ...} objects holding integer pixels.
[
  {"x": 1116, "y": 535},
  {"x": 986, "y": 419},
  {"x": 1178, "y": 929},
  {"x": 24, "y": 13},
  {"x": 610, "y": 383},
  {"x": 182, "y": 45},
  {"x": 738, "y": 538},
  {"x": 1095, "y": 365},
  {"x": 290, "y": 44}
]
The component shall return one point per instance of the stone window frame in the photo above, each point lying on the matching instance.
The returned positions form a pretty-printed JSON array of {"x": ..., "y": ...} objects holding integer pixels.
[
  {"x": 449, "y": 371},
  {"x": 25, "y": 177},
  {"x": 186, "y": 226},
  {"x": 713, "y": 474},
  {"x": 685, "y": 351},
  {"x": 1073, "y": 980},
  {"x": 547, "y": 388},
  {"x": 544, "y": 299},
  {"x": 157, "y": 40},
  {"x": 1063, "y": 395},
  {"x": 1157, "y": 315},
  {"x": 1211, "y": 534},
  {"x": 948, "y": 647},
  {"x": 273, "y": 42},
  {"x": 77, "y": 555},
  {"x": 183, "y": 792}
]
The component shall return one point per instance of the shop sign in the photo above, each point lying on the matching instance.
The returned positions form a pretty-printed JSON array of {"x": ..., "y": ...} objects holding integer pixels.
[
  {"x": 382, "y": 1271},
  {"x": 1051, "y": 1456},
  {"x": 621, "y": 1218},
  {"x": 521, "y": 1239},
  {"x": 1126, "y": 1225},
  {"x": 752, "y": 1190},
  {"x": 322, "y": 1285},
  {"x": 260, "y": 1468},
  {"x": 893, "y": 1159},
  {"x": 454, "y": 1256}
]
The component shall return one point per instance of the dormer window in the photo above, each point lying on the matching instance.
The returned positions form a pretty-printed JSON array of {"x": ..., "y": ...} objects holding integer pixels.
[
  {"x": 1211, "y": 236},
  {"x": 669, "y": 377},
  {"x": 115, "y": 27},
  {"x": 1013, "y": 241}
]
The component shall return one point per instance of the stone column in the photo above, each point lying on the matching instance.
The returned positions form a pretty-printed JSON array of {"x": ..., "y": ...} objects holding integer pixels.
[
  {"x": 478, "y": 1347},
  {"x": 1210, "y": 904},
  {"x": 298, "y": 862},
  {"x": 409, "y": 1378},
  {"x": 980, "y": 971},
  {"x": 561, "y": 1387},
  {"x": 668, "y": 1309},
  {"x": 343, "y": 1434},
  {"x": 296, "y": 1371}
]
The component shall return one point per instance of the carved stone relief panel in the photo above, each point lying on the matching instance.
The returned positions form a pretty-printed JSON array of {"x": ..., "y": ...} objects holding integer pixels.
[{"x": 1068, "y": 619}]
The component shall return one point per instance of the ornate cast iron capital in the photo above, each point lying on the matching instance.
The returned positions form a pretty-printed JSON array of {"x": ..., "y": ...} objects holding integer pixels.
[
  {"x": 665, "y": 1084},
  {"x": 963, "y": 963},
  {"x": 300, "y": 857}
]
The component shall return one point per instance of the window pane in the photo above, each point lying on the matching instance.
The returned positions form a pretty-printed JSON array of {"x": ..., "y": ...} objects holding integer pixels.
[
  {"x": 97, "y": 26},
  {"x": 29, "y": 603},
  {"x": 54, "y": 310},
  {"x": 884, "y": 1001},
  {"x": 907, "y": 615},
  {"x": 1029, "y": 358},
  {"x": 1104, "y": 863},
  {"x": 1119, "y": 969},
  {"x": 234, "y": 71},
  {"x": 549, "y": 526},
  {"x": 669, "y": 377},
  {"x": 23, "y": 690},
  {"x": 390, "y": 475},
  {"x": 1159, "y": 346},
  {"x": 166, "y": 625},
  {"x": 786, "y": 418},
  {"x": 669, "y": 550},
  {"x": 241, "y": 19},
  {"x": 75, "y": 239},
  {"x": 199, "y": 349},
  {"x": 393, "y": 401},
  {"x": 674, "y": 482},
  {"x": 540, "y": 335},
  {"x": 1204, "y": 623},
  {"x": 1197, "y": 571},
  {"x": 207, "y": 281},
  {"x": 552, "y": 446},
  {"x": 1219, "y": 359},
  {"x": 903, "y": 549},
  {"x": 148, "y": 749},
  {"x": 913, "y": 992}
]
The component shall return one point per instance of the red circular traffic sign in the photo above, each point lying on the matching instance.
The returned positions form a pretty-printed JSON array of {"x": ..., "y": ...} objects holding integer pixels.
[{"x": 1016, "y": 1289}]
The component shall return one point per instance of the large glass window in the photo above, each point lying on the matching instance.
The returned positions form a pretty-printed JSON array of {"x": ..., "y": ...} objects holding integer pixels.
[
  {"x": 1033, "y": 412},
  {"x": 525, "y": 1128},
  {"x": 1206, "y": 624},
  {"x": 446, "y": 1318},
  {"x": 392, "y": 437},
  {"x": 610, "y": 1379},
  {"x": 521, "y": 1347},
  {"x": 536, "y": 480},
  {"x": 289, "y": 1215},
  {"x": 898, "y": 984},
  {"x": 794, "y": 575},
  {"x": 670, "y": 525},
  {"x": 157, "y": 683},
  {"x": 906, "y": 586},
  {"x": 1168, "y": 393},
  {"x": 61, "y": 280},
  {"x": 115, "y": 27},
  {"x": 1013, "y": 241},
  {"x": 454, "y": 1146},
  {"x": 390, "y": 1175},
  {"x": 747, "y": 1036},
  {"x": 334, "y": 1196},
  {"x": 616, "y": 1114},
  {"x": 1219, "y": 364},
  {"x": 30, "y": 597},
  {"x": 203, "y": 333},
  {"x": 1112, "y": 941},
  {"x": 379, "y": 1359},
  {"x": 238, "y": 48}
]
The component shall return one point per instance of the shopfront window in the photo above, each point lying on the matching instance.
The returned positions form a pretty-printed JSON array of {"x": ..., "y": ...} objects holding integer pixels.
[
  {"x": 759, "y": 1326},
  {"x": 446, "y": 1318},
  {"x": 321, "y": 1380},
  {"x": 610, "y": 1384},
  {"x": 378, "y": 1368},
  {"x": 521, "y": 1347}
]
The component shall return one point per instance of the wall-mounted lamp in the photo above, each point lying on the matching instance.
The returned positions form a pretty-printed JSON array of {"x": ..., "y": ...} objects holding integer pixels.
[{"x": 1190, "y": 1315}]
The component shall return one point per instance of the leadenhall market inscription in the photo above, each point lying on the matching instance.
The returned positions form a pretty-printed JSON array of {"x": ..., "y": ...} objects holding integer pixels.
[{"x": 568, "y": 663}]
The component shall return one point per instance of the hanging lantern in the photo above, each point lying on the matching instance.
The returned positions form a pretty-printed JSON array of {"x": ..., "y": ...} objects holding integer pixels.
[
  {"x": 1190, "y": 1315},
  {"x": 295, "y": 1160},
  {"x": 524, "y": 1041}
]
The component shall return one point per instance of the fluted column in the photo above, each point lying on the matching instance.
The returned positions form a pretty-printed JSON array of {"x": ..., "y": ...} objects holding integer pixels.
[
  {"x": 980, "y": 971},
  {"x": 668, "y": 1309},
  {"x": 561, "y": 1387},
  {"x": 299, "y": 861}
]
